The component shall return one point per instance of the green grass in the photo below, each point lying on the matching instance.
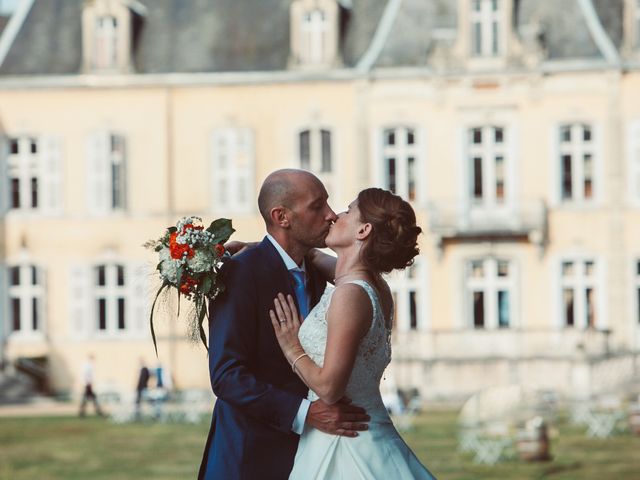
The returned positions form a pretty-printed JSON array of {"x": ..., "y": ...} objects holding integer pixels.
[{"x": 70, "y": 448}]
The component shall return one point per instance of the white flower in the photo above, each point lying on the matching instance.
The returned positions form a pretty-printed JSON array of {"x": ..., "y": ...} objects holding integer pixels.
[
  {"x": 202, "y": 261},
  {"x": 168, "y": 267}
]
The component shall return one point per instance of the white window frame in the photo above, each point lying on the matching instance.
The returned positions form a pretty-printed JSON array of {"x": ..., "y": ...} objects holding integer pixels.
[
  {"x": 402, "y": 283},
  {"x": 490, "y": 22},
  {"x": 314, "y": 30},
  {"x": 579, "y": 282},
  {"x": 316, "y": 154},
  {"x": 105, "y": 41},
  {"x": 45, "y": 166},
  {"x": 487, "y": 152},
  {"x": 106, "y": 169},
  {"x": 490, "y": 284},
  {"x": 577, "y": 149},
  {"x": 401, "y": 153},
  {"x": 232, "y": 170},
  {"x": 26, "y": 292},
  {"x": 111, "y": 293}
]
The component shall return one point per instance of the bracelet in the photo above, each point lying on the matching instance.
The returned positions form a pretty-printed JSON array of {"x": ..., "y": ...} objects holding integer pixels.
[{"x": 293, "y": 365}]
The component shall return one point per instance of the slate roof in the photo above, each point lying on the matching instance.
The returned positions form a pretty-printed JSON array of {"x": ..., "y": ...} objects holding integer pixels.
[{"x": 183, "y": 36}]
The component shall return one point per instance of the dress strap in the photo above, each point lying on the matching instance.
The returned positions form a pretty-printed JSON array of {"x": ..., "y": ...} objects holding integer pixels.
[{"x": 373, "y": 296}]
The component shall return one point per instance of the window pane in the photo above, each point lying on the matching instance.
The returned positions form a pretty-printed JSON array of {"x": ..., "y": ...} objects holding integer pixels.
[
  {"x": 565, "y": 133},
  {"x": 588, "y": 175},
  {"x": 14, "y": 276},
  {"x": 500, "y": 178},
  {"x": 586, "y": 133},
  {"x": 498, "y": 135},
  {"x": 476, "y": 136},
  {"x": 15, "y": 314},
  {"x": 34, "y": 146},
  {"x": 15, "y": 193},
  {"x": 34, "y": 314},
  {"x": 120, "y": 274},
  {"x": 121, "y": 310},
  {"x": 503, "y": 309},
  {"x": 326, "y": 151},
  {"x": 34, "y": 192},
  {"x": 100, "y": 276},
  {"x": 566, "y": 177},
  {"x": 411, "y": 138},
  {"x": 477, "y": 177},
  {"x": 494, "y": 39},
  {"x": 389, "y": 137},
  {"x": 411, "y": 180},
  {"x": 305, "y": 149},
  {"x": 638, "y": 306},
  {"x": 589, "y": 268},
  {"x": 494, "y": 5},
  {"x": 477, "y": 269},
  {"x": 102, "y": 314},
  {"x": 116, "y": 185},
  {"x": 478, "y": 309},
  {"x": 503, "y": 268},
  {"x": 590, "y": 308},
  {"x": 568, "y": 307},
  {"x": 477, "y": 5},
  {"x": 14, "y": 146},
  {"x": 477, "y": 38},
  {"x": 413, "y": 311},
  {"x": 34, "y": 275},
  {"x": 638, "y": 268},
  {"x": 391, "y": 174}
]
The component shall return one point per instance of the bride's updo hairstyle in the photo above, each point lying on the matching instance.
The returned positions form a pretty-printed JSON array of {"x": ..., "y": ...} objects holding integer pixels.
[{"x": 392, "y": 243}]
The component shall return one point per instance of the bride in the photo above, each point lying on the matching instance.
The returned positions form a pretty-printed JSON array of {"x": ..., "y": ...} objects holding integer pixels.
[{"x": 343, "y": 346}]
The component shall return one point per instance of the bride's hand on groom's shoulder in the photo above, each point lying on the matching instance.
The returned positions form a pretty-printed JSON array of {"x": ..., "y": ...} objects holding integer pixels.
[{"x": 236, "y": 246}]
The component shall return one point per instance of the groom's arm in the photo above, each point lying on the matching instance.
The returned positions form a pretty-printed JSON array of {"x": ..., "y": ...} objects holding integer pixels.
[{"x": 233, "y": 334}]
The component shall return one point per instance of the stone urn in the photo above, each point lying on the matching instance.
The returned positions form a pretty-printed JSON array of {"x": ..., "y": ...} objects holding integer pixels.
[{"x": 532, "y": 442}]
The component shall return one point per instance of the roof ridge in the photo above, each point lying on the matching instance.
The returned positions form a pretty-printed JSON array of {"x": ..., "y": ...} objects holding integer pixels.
[{"x": 13, "y": 27}]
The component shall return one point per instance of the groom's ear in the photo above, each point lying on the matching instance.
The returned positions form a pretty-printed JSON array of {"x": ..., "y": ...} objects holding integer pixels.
[{"x": 279, "y": 216}]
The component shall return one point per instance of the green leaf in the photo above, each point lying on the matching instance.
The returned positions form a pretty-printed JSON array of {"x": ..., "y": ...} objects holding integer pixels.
[
  {"x": 221, "y": 229},
  {"x": 172, "y": 229},
  {"x": 207, "y": 282}
]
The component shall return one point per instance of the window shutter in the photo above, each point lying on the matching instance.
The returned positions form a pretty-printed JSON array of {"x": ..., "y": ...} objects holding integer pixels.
[
  {"x": 219, "y": 169},
  {"x": 81, "y": 313},
  {"x": 634, "y": 161},
  {"x": 98, "y": 174},
  {"x": 245, "y": 169},
  {"x": 138, "y": 302},
  {"x": 50, "y": 176}
]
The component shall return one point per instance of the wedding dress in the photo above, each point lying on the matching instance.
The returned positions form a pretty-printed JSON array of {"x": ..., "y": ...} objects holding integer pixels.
[{"x": 379, "y": 452}]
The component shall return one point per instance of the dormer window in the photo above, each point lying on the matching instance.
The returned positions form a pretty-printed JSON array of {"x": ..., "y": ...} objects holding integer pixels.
[
  {"x": 106, "y": 43},
  {"x": 108, "y": 30},
  {"x": 314, "y": 36},
  {"x": 314, "y": 33},
  {"x": 486, "y": 31}
]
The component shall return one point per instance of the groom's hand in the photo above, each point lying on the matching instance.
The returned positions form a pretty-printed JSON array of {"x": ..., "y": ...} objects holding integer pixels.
[{"x": 341, "y": 418}]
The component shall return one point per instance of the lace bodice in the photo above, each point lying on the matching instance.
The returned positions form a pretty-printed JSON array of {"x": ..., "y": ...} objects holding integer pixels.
[{"x": 374, "y": 352}]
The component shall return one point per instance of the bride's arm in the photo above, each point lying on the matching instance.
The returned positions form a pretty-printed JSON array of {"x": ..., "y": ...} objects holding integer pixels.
[
  {"x": 348, "y": 318},
  {"x": 324, "y": 263}
]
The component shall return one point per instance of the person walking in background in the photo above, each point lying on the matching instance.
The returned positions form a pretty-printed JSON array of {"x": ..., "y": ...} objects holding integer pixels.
[
  {"x": 141, "y": 388},
  {"x": 88, "y": 373}
]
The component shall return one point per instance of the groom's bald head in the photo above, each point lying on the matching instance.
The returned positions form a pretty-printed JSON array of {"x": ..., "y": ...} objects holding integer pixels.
[{"x": 281, "y": 188}]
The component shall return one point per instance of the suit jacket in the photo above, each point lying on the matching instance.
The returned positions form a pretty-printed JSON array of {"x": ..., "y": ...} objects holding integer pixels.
[{"x": 258, "y": 396}]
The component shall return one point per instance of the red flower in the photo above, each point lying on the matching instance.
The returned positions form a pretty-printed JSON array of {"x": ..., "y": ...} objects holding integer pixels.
[
  {"x": 177, "y": 250},
  {"x": 188, "y": 285},
  {"x": 219, "y": 248}
]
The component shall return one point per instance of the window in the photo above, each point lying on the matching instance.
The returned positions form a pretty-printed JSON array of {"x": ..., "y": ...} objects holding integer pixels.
[
  {"x": 315, "y": 29},
  {"x": 490, "y": 290},
  {"x": 232, "y": 170},
  {"x": 487, "y": 158},
  {"x": 486, "y": 36},
  {"x": 408, "y": 298},
  {"x": 26, "y": 296},
  {"x": 579, "y": 293},
  {"x": 315, "y": 150},
  {"x": 106, "y": 43},
  {"x": 107, "y": 173},
  {"x": 577, "y": 158},
  {"x": 110, "y": 293},
  {"x": 33, "y": 175},
  {"x": 400, "y": 160}
]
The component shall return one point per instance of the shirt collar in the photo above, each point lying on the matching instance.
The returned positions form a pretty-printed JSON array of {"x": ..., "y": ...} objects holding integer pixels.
[{"x": 288, "y": 261}]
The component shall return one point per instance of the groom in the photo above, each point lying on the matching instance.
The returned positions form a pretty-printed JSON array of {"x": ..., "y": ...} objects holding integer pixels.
[{"x": 261, "y": 407}]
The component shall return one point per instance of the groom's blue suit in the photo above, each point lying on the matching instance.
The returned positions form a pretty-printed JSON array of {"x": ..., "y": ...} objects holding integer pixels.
[{"x": 258, "y": 394}]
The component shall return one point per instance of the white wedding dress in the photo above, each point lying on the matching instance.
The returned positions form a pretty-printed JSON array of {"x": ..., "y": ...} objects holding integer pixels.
[{"x": 379, "y": 452}]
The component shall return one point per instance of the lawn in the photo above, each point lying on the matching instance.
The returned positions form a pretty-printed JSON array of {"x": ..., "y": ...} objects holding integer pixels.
[{"x": 70, "y": 448}]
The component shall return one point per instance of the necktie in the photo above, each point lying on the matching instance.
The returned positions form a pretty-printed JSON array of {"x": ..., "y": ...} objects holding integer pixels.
[{"x": 301, "y": 292}]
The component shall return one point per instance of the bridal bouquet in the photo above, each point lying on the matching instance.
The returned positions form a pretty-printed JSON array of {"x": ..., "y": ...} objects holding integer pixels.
[{"x": 190, "y": 261}]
